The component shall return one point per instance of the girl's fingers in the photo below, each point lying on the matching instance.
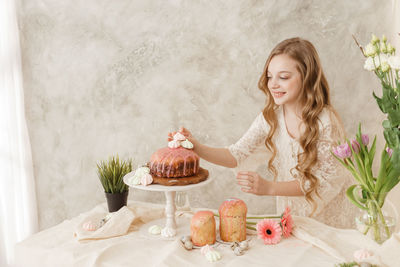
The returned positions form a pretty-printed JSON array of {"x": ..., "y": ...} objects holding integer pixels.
[
  {"x": 247, "y": 190},
  {"x": 245, "y": 177},
  {"x": 244, "y": 183}
]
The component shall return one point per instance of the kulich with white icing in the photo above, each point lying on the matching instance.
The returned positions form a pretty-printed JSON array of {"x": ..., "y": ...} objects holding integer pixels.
[{"x": 174, "y": 162}]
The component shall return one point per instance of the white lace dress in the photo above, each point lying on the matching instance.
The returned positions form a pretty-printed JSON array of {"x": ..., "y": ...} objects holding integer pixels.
[{"x": 333, "y": 207}]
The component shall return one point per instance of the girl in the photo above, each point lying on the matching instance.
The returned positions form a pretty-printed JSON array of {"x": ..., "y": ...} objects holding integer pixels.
[{"x": 299, "y": 126}]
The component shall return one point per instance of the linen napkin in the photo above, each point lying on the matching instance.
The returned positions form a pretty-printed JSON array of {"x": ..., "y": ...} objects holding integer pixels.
[{"x": 118, "y": 224}]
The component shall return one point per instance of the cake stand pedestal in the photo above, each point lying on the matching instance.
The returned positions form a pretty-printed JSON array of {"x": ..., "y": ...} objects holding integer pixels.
[{"x": 170, "y": 191}]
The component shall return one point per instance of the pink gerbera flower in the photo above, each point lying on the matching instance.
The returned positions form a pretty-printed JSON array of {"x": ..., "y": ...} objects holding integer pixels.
[
  {"x": 287, "y": 223},
  {"x": 269, "y": 230}
]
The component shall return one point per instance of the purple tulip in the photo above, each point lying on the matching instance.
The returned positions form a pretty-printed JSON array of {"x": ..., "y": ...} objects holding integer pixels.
[
  {"x": 365, "y": 139},
  {"x": 356, "y": 146},
  {"x": 389, "y": 151},
  {"x": 342, "y": 151}
]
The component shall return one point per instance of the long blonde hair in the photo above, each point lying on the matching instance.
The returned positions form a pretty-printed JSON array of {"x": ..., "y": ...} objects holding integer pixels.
[{"x": 313, "y": 98}]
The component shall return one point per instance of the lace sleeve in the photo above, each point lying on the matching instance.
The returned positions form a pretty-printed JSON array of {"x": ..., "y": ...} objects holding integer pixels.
[
  {"x": 254, "y": 137},
  {"x": 328, "y": 170}
]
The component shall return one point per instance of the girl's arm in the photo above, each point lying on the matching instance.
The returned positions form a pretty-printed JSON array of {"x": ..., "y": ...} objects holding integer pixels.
[
  {"x": 236, "y": 153},
  {"x": 253, "y": 183},
  {"x": 219, "y": 156}
]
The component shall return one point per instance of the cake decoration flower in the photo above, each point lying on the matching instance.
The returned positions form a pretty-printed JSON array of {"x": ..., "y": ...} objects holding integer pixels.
[{"x": 269, "y": 230}]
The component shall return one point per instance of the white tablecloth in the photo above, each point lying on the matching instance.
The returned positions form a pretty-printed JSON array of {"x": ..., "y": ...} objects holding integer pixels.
[{"x": 313, "y": 244}]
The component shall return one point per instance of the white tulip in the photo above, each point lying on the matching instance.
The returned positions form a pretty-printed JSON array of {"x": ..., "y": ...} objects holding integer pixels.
[{"x": 394, "y": 62}]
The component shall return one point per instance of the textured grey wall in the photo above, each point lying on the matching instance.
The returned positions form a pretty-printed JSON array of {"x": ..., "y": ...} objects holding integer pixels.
[{"x": 104, "y": 77}]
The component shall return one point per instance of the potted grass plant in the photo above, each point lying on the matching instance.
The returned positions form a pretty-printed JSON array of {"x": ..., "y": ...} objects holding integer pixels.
[{"x": 111, "y": 175}]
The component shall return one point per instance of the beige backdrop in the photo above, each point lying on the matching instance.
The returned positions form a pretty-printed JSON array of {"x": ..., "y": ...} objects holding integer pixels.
[{"x": 105, "y": 77}]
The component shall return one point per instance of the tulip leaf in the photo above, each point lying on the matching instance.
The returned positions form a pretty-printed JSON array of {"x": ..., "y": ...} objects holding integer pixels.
[
  {"x": 382, "y": 170},
  {"x": 372, "y": 150},
  {"x": 351, "y": 193}
]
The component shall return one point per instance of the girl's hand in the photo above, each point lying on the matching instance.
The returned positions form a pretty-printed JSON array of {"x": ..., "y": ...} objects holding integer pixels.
[
  {"x": 183, "y": 131},
  {"x": 252, "y": 183}
]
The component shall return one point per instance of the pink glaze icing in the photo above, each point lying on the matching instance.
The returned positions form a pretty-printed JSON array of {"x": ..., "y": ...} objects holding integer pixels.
[
  {"x": 232, "y": 225},
  {"x": 202, "y": 228},
  {"x": 170, "y": 156}
]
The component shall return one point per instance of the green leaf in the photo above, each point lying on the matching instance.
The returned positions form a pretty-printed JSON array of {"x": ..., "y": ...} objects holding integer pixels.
[
  {"x": 394, "y": 117},
  {"x": 382, "y": 171},
  {"x": 392, "y": 137},
  {"x": 386, "y": 124},
  {"x": 111, "y": 174},
  {"x": 379, "y": 102},
  {"x": 351, "y": 194}
]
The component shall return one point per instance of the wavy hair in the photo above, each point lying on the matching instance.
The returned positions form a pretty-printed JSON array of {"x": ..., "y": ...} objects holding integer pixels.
[{"x": 313, "y": 98}]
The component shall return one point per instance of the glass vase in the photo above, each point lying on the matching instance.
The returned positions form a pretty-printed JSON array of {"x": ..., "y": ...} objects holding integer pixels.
[{"x": 375, "y": 223}]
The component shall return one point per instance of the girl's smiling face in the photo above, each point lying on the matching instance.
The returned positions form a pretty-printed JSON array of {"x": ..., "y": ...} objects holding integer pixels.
[{"x": 284, "y": 80}]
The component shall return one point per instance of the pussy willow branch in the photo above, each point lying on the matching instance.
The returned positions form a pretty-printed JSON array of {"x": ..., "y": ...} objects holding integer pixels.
[{"x": 358, "y": 44}]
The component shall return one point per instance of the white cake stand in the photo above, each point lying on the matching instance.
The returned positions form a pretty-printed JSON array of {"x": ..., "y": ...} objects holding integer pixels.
[{"x": 170, "y": 191}]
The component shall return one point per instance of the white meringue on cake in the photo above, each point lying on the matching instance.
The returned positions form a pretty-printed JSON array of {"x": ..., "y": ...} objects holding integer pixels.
[
  {"x": 187, "y": 144},
  {"x": 142, "y": 170},
  {"x": 174, "y": 144},
  {"x": 135, "y": 180},
  {"x": 146, "y": 179},
  {"x": 179, "y": 137}
]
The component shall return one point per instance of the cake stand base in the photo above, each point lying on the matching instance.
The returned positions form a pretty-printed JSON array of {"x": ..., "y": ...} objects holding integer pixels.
[{"x": 170, "y": 229}]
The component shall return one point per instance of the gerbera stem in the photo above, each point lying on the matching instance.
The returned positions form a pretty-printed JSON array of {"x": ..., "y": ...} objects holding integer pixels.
[
  {"x": 251, "y": 228},
  {"x": 265, "y": 217},
  {"x": 252, "y": 223}
]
